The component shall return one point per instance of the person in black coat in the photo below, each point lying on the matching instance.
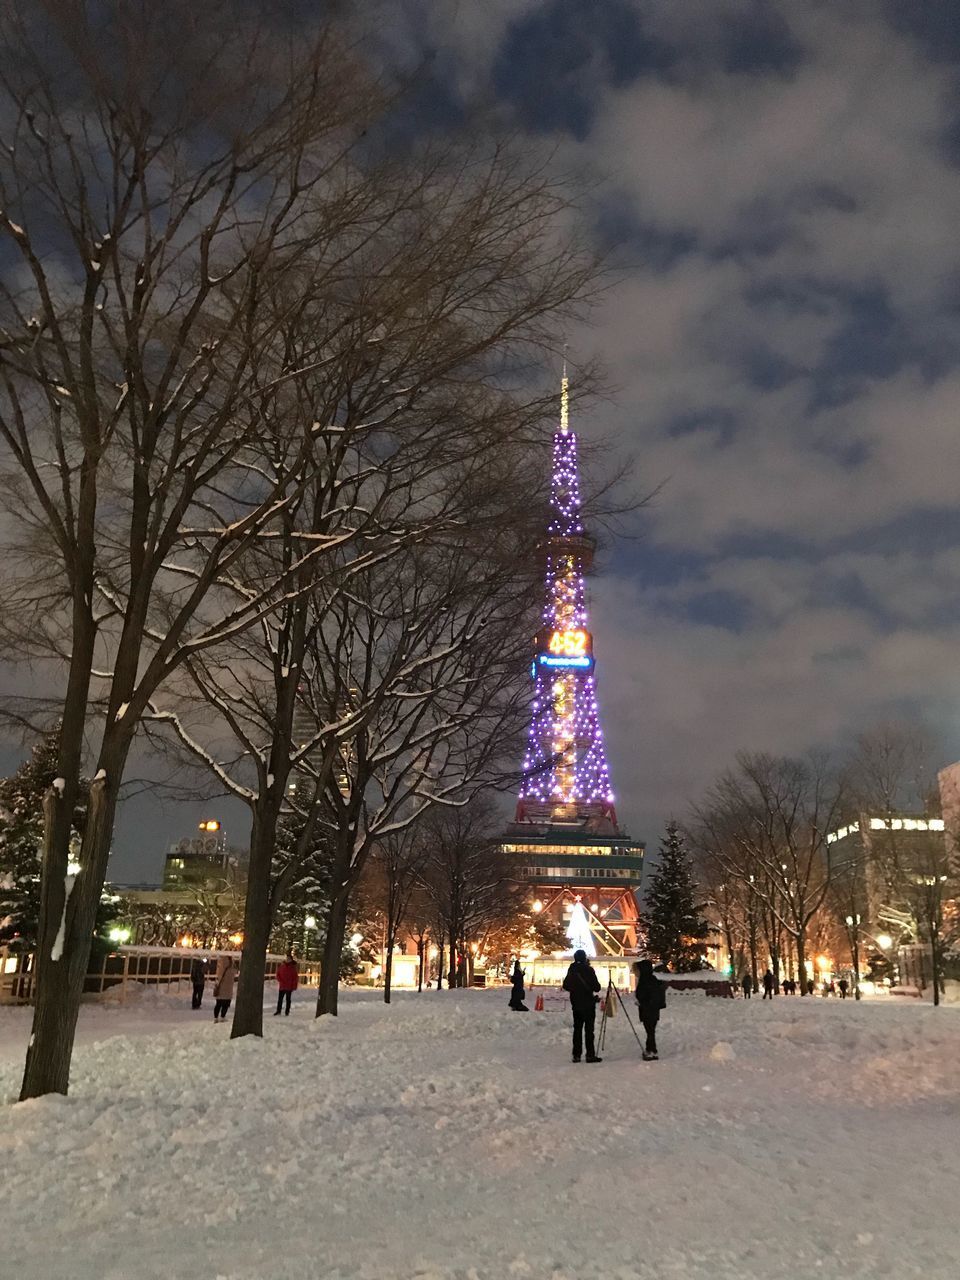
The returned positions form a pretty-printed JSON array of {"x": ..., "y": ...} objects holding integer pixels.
[
  {"x": 583, "y": 987},
  {"x": 198, "y": 979},
  {"x": 769, "y": 985},
  {"x": 651, "y": 996},
  {"x": 746, "y": 984},
  {"x": 517, "y": 994}
]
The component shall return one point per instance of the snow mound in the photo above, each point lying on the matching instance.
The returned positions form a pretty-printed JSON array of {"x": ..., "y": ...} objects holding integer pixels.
[{"x": 722, "y": 1051}]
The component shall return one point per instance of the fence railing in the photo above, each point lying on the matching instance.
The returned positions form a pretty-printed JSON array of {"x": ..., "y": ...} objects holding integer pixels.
[{"x": 129, "y": 968}]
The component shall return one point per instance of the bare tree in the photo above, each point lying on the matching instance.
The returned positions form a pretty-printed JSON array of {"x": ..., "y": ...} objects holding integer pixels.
[
  {"x": 469, "y": 882},
  {"x": 766, "y": 822},
  {"x": 396, "y": 861},
  {"x": 219, "y": 185},
  {"x": 848, "y": 900},
  {"x": 437, "y": 658},
  {"x": 427, "y": 449},
  {"x": 167, "y": 193}
]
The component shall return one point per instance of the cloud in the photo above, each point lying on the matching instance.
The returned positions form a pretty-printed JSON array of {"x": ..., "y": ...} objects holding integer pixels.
[{"x": 781, "y": 186}]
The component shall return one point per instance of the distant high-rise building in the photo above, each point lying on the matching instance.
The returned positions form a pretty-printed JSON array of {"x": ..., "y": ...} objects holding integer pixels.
[{"x": 203, "y": 859}]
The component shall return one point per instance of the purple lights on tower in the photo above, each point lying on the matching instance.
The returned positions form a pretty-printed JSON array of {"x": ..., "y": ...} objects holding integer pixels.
[
  {"x": 565, "y": 767},
  {"x": 565, "y": 487}
]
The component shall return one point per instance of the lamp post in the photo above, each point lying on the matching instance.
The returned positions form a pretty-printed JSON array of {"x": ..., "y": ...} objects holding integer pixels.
[
  {"x": 309, "y": 923},
  {"x": 853, "y": 927}
]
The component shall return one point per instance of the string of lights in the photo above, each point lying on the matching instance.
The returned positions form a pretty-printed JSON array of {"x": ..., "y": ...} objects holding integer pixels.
[{"x": 565, "y": 762}]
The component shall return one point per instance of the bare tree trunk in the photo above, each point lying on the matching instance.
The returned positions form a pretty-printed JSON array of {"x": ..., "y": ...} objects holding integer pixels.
[
  {"x": 329, "y": 985},
  {"x": 935, "y": 962},
  {"x": 390, "y": 928},
  {"x": 64, "y": 948},
  {"x": 800, "y": 941},
  {"x": 257, "y": 919}
]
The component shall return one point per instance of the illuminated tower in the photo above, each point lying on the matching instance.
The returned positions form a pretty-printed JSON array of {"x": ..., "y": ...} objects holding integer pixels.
[{"x": 565, "y": 841}]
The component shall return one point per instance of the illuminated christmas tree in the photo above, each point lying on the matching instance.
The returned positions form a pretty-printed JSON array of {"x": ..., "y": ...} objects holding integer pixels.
[{"x": 565, "y": 768}]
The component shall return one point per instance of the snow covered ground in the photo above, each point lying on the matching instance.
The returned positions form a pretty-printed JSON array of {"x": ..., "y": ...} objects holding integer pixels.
[{"x": 446, "y": 1138}]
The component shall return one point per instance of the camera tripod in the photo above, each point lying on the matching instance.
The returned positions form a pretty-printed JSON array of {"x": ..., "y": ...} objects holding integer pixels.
[{"x": 608, "y": 1013}]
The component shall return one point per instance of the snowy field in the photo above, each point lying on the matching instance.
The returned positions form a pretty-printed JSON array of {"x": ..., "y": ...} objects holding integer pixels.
[{"x": 446, "y": 1138}]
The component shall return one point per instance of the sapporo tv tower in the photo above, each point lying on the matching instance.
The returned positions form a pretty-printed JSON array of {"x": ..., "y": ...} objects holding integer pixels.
[{"x": 565, "y": 842}]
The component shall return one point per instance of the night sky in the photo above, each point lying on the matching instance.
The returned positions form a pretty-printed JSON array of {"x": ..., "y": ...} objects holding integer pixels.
[{"x": 778, "y": 185}]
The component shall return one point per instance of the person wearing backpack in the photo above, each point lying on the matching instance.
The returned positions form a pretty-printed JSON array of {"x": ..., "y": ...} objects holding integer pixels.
[
  {"x": 651, "y": 996},
  {"x": 583, "y": 987}
]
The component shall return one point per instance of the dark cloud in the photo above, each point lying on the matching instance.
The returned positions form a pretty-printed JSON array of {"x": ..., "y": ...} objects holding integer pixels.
[{"x": 780, "y": 184}]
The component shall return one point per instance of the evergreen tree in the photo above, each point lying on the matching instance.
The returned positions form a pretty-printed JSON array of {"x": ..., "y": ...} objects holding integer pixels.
[
  {"x": 675, "y": 931},
  {"x": 21, "y": 840}
]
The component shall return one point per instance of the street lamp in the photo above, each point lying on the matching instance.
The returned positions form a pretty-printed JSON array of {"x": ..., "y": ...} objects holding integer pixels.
[{"x": 309, "y": 924}]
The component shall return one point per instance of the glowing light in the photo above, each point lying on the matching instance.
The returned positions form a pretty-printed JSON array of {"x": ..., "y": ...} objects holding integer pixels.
[
  {"x": 119, "y": 935},
  {"x": 884, "y": 941},
  {"x": 355, "y": 940},
  {"x": 210, "y": 824},
  {"x": 537, "y": 906},
  {"x": 572, "y": 644},
  {"x": 310, "y": 922},
  {"x": 236, "y": 939},
  {"x": 546, "y": 661},
  {"x": 578, "y": 931}
]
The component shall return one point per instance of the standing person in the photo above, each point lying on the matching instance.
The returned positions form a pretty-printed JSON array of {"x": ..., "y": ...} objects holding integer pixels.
[
  {"x": 223, "y": 987},
  {"x": 288, "y": 979},
  {"x": 518, "y": 994},
  {"x": 768, "y": 985},
  {"x": 651, "y": 996},
  {"x": 844, "y": 986},
  {"x": 583, "y": 987},
  {"x": 746, "y": 984},
  {"x": 198, "y": 977}
]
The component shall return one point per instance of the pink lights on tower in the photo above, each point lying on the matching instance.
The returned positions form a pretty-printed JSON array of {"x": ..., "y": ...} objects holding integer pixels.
[{"x": 565, "y": 764}]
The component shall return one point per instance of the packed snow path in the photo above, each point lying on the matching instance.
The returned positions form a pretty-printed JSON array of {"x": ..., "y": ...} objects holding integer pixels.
[{"x": 446, "y": 1138}]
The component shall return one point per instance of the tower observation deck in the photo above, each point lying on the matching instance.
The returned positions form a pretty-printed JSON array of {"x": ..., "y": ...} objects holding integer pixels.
[{"x": 565, "y": 841}]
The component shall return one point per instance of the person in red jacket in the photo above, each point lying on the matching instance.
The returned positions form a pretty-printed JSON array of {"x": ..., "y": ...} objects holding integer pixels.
[{"x": 288, "y": 979}]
